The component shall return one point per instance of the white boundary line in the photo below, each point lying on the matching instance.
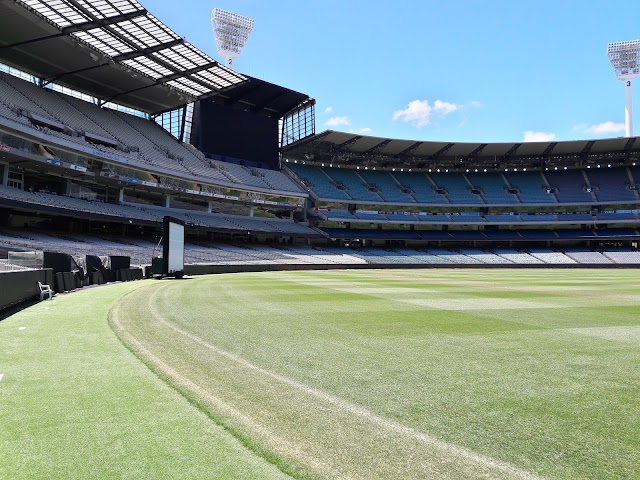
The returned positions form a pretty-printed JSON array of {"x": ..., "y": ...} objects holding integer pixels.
[{"x": 379, "y": 421}]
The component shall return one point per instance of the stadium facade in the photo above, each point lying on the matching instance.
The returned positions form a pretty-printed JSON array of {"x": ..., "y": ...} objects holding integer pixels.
[{"x": 109, "y": 121}]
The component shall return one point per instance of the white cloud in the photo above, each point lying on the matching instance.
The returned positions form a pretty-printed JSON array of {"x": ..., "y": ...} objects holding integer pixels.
[
  {"x": 328, "y": 110},
  {"x": 531, "y": 136},
  {"x": 444, "y": 108},
  {"x": 338, "y": 122},
  {"x": 419, "y": 112},
  {"x": 365, "y": 130},
  {"x": 604, "y": 128}
]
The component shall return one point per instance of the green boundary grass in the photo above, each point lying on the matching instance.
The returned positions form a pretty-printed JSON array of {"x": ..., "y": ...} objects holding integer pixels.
[
  {"x": 75, "y": 403},
  {"x": 342, "y": 374},
  {"x": 420, "y": 374}
]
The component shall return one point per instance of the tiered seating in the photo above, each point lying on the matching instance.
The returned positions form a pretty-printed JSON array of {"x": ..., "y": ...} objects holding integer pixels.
[
  {"x": 484, "y": 257},
  {"x": 622, "y": 256},
  {"x": 381, "y": 256},
  {"x": 617, "y": 232},
  {"x": 635, "y": 174},
  {"x": 279, "y": 181},
  {"x": 322, "y": 185},
  {"x": 531, "y": 187},
  {"x": 612, "y": 184},
  {"x": 419, "y": 256},
  {"x": 494, "y": 190},
  {"x": 51, "y": 104},
  {"x": 353, "y": 182},
  {"x": 585, "y": 256},
  {"x": 156, "y": 213},
  {"x": 75, "y": 204},
  {"x": 389, "y": 188},
  {"x": 141, "y": 251},
  {"x": 329, "y": 254},
  {"x": 149, "y": 152},
  {"x": 457, "y": 188},
  {"x": 570, "y": 184},
  {"x": 421, "y": 186},
  {"x": 13, "y": 97},
  {"x": 146, "y": 139},
  {"x": 453, "y": 257},
  {"x": 550, "y": 256},
  {"x": 515, "y": 256}
]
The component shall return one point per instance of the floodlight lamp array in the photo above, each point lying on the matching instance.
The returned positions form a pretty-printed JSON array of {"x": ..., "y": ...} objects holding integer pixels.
[
  {"x": 625, "y": 59},
  {"x": 232, "y": 32}
]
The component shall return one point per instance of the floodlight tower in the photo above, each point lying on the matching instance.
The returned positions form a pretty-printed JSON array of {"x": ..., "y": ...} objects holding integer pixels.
[
  {"x": 232, "y": 32},
  {"x": 625, "y": 60}
]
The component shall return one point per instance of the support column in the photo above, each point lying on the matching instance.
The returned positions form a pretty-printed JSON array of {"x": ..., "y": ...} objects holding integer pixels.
[
  {"x": 121, "y": 195},
  {"x": 210, "y": 207},
  {"x": 291, "y": 215},
  {"x": 5, "y": 175},
  {"x": 67, "y": 187},
  {"x": 167, "y": 201},
  {"x": 251, "y": 211},
  {"x": 628, "y": 109}
]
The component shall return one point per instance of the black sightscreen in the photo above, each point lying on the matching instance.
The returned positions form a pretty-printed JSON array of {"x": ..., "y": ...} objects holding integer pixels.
[{"x": 229, "y": 131}]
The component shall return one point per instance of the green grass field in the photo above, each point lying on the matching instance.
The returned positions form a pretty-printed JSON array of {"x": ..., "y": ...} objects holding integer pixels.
[{"x": 351, "y": 374}]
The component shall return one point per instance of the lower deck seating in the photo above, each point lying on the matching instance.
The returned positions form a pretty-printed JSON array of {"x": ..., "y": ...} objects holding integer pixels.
[
  {"x": 156, "y": 213},
  {"x": 142, "y": 249},
  {"x": 551, "y": 256}
]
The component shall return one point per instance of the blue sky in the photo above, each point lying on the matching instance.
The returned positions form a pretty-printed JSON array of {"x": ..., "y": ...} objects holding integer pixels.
[{"x": 464, "y": 70}]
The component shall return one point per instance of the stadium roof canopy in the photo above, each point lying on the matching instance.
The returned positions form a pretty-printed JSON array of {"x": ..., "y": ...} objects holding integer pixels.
[
  {"x": 116, "y": 51},
  {"x": 340, "y": 148}
]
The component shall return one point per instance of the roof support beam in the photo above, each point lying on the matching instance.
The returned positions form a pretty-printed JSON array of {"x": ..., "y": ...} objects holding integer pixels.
[
  {"x": 511, "y": 151},
  {"x": 348, "y": 143},
  {"x": 118, "y": 58},
  {"x": 120, "y": 94},
  {"x": 474, "y": 153},
  {"x": 377, "y": 148},
  {"x": 148, "y": 51},
  {"x": 442, "y": 151},
  {"x": 549, "y": 148},
  {"x": 409, "y": 150},
  {"x": 188, "y": 73},
  {"x": 630, "y": 143},
  {"x": 587, "y": 148},
  {"x": 81, "y": 27},
  {"x": 47, "y": 81}
]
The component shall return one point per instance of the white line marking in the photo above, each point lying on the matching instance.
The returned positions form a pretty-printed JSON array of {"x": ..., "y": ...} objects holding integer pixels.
[
  {"x": 22, "y": 328},
  {"x": 1, "y": 376},
  {"x": 351, "y": 408}
]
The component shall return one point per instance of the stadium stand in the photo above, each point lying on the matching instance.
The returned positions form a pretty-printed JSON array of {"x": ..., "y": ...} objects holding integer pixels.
[
  {"x": 388, "y": 187},
  {"x": 493, "y": 187},
  {"x": 550, "y": 256},
  {"x": 467, "y": 204},
  {"x": 571, "y": 186}
]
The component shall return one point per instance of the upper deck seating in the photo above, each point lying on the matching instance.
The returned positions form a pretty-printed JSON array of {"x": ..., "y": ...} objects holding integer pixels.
[
  {"x": 493, "y": 188},
  {"x": 388, "y": 187},
  {"x": 612, "y": 184},
  {"x": 457, "y": 188},
  {"x": 571, "y": 186},
  {"x": 322, "y": 185},
  {"x": 354, "y": 184},
  {"x": 422, "y": 189},
  {"x": 530, "y": 186}
]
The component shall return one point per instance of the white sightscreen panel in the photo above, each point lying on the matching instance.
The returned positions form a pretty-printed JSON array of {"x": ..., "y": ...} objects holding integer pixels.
[{"x": 175, "y": 262}]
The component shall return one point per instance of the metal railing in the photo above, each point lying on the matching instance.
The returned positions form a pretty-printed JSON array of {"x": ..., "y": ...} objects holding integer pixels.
[{"x": 5, "y": 266}]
